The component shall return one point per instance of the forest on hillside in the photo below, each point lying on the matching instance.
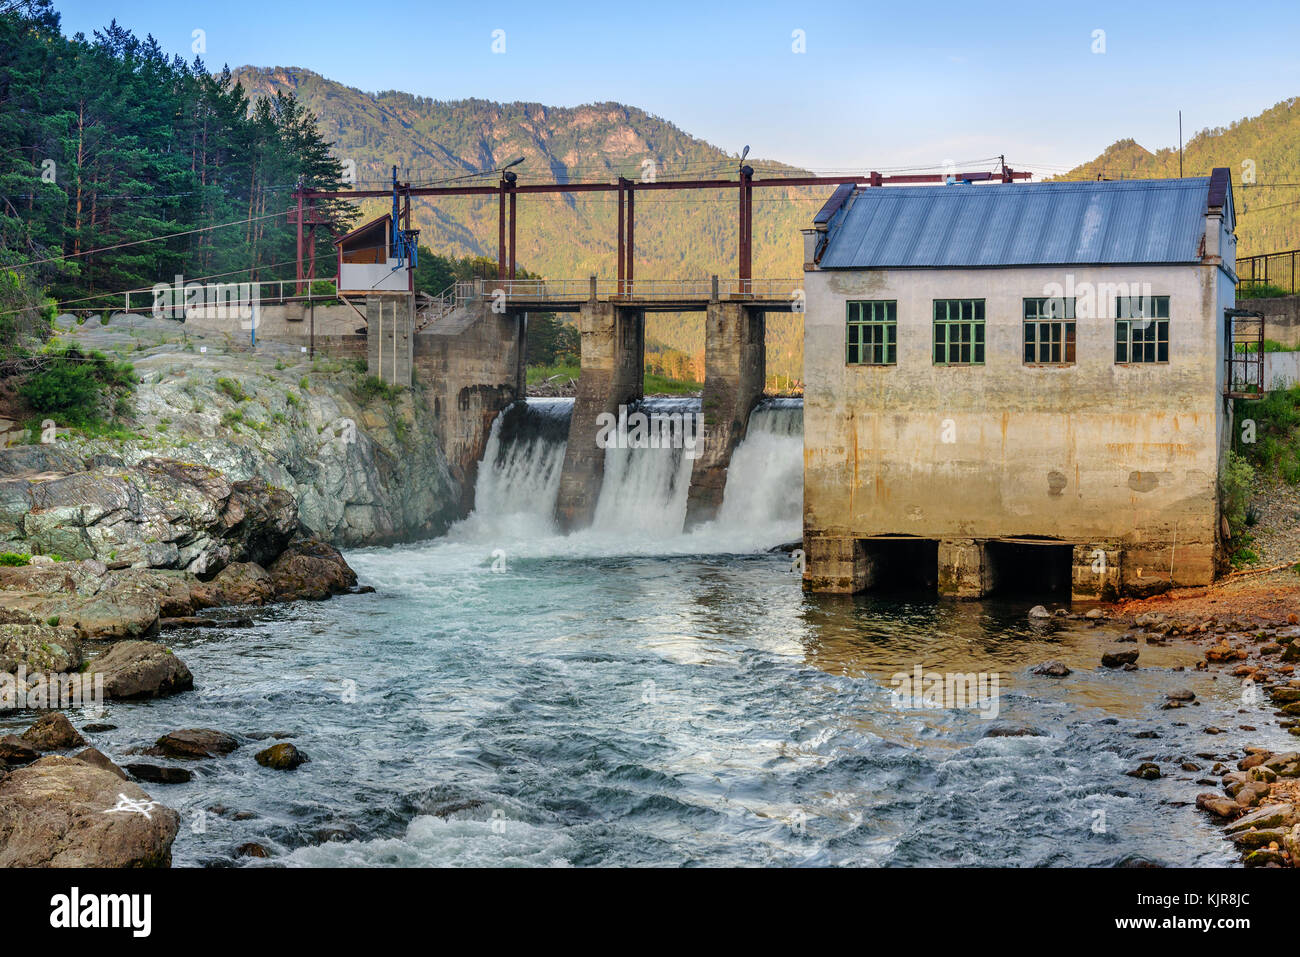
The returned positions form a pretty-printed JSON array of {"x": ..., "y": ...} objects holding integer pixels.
[
  {"x": 107, "y": 143},
  {"x": 1263, "y": 154}
]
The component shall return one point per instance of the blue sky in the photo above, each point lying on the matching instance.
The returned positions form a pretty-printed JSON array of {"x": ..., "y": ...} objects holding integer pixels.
[{"x": 880, "y": 85}]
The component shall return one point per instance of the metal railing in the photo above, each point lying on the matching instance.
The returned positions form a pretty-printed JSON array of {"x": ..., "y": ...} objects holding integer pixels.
[
  {"x": 664, "y": 290},
  {"x": 1269, "y": 269}
]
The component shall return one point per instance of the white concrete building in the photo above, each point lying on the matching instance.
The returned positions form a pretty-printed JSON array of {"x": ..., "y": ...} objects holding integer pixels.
[{"x": 1018, "y": 384}]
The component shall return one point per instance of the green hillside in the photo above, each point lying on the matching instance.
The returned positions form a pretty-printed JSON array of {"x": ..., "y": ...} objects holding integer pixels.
[
  {"x": 677, "y": 235},
  {"x": 1268, "y": 210}
]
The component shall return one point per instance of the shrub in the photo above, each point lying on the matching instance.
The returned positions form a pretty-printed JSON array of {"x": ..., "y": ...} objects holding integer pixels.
[
  {"x": 66, "y": 391},
  {"x": 1234, "y": 488},
  {"x": 232, "y": 389},
  {"x": 12, "y": 559}
]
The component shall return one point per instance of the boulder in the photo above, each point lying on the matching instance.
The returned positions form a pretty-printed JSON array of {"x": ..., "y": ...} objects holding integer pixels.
[
  {"x": 1146, "y": 771},
  {"x": 252, "y": 849},
  {"x": 1008, "y": 729},
  {"x": 39, "y": 648},
  {"x": 14, "y": 750},
  {"x": 53, "y": 732},
  {"x": 62, "y": 812},
  {"x": 1274, "y": 815},
  {"x": 98, "y": 759},
  {"x": 243, "y": 583},
  {"x": 194, "y": 743},
  {"x": 1039, "y": 612},
  {"x": 1052, "y": 669},
  {"x": 1218, "y": 805},
  {"x": 141, "y": 669},
  {"x": 159, "y": 773},
  {"x": 281, "y": 757},
  {"x": 310, "y": 569},
  {"x": 1117, "y": 659}
]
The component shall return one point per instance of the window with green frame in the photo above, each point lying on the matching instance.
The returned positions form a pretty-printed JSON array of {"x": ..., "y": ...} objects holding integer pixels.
[
  {"x": 872, "y": 336},
  {"x": 958, "y": 332},
  {"x": 1049, "y": 331},
  {"x": 1141, "y": 329}
]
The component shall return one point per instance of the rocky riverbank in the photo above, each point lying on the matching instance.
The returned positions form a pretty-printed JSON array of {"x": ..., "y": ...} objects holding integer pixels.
[
  {"x": 227, "y": 484},
  {"x": 1249, "y": 632}
]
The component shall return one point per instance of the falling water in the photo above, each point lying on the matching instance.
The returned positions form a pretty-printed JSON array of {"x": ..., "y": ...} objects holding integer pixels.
[{"x": 643, "y": 494}]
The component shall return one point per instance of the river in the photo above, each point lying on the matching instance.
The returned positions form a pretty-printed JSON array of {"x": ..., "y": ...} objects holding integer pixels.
[{"x": 633, "y": 695}]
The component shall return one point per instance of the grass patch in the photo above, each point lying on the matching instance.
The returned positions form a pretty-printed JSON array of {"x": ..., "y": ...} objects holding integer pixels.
[
  {"x": 14, "y": 559},
  {"x": 1275, "y": 450},
  {"x": 232, "y": 389},
  {"x": 368, "y": 388},
  {"x": 1260, "y": 290}
]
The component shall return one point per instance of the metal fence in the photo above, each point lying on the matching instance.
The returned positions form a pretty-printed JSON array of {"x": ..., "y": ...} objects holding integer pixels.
[{"x": 1267, "y": 272}]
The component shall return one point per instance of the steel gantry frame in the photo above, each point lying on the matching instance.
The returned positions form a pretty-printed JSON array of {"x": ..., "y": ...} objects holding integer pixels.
[{"x": 508, "y": 189}]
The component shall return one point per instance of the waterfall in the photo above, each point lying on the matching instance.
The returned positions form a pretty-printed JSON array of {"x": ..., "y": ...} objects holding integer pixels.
[{"x": 643, "y": 495}]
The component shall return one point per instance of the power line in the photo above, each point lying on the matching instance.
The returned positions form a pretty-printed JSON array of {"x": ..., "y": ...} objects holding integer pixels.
[{"x": 140, "y": 242}]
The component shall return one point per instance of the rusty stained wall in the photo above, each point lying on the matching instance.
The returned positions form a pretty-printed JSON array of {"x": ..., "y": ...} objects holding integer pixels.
[{"x": 1094, "y": 452}]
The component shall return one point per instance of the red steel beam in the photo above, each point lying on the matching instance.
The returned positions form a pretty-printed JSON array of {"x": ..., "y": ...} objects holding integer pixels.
[
  {"x": 512, "y": 234},
  {"x": 630, "y": 256}
]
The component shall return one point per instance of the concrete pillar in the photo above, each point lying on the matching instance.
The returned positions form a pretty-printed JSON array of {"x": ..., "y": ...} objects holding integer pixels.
[
  {"x": 390, "y": 338},
  {"x": 837, "y": 566},
  {"x": 735, "y": 368},
  {"x": 1096, "y": 572},
  {"x": 965, "y": 569},
  {"x": 469, "y": 366},
  {"x": 613, "y": 374}
]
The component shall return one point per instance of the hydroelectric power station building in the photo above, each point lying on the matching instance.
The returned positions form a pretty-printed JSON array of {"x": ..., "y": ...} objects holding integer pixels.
[{"x": 1018, "y": 384}]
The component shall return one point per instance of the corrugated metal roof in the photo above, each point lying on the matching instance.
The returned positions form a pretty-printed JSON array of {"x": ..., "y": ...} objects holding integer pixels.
[{"x": 1029, "y": 224}]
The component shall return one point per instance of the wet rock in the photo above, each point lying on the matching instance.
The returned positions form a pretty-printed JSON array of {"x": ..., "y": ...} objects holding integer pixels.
[
  {"x": 1039, "y": 612},
  {"x": 1117, "y": 659},
  {"x": 1224, "y": 652},
  {"x": 1284, "y": 695},
  {"x": 1274, "y": 815},
  {"x": 1218, "y": 805},
  {"x": 194, "y": 744},
  {"x": 1092, "y": 614},
  {"x": 141, "y": 669},
  {"x": 98, "y": 728},
  {"x": 58, "y": 812},
  {"x": 1146, "y": 734},
  {"x": 1146, "y": 771},
  {"x": 1190, "y": 766},
  {"x": 1252, "y": 760},
  {"x": 98, "y": 759},
  {"x": 1009, "y": 729},
  {"x": 1252, "y": 793},
  {"x": 159, "y": 774},
  {"x": 1052, "y": 669},
  {"x": 309, "y": 569},
  {"x": 1149, "y": 618},
  {"x": 14, "y": 750},
  {"x": 1181, "y": 694},
  {"x": 244, "y": 583},
  {"x": 252, "y": 849},
  {"x": 1249, "y": 840},
  {"x": 281, "y": 757},
  {"x": 53, "y": 732},
  {"x": 1265, "y": 857}
]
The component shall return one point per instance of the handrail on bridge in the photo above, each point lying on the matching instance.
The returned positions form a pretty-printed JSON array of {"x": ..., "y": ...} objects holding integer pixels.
[{"x": 650, "y": 290}]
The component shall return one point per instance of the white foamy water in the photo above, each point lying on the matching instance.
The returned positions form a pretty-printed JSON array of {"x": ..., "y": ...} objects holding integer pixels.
[{"x": 642, "y": 504}]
